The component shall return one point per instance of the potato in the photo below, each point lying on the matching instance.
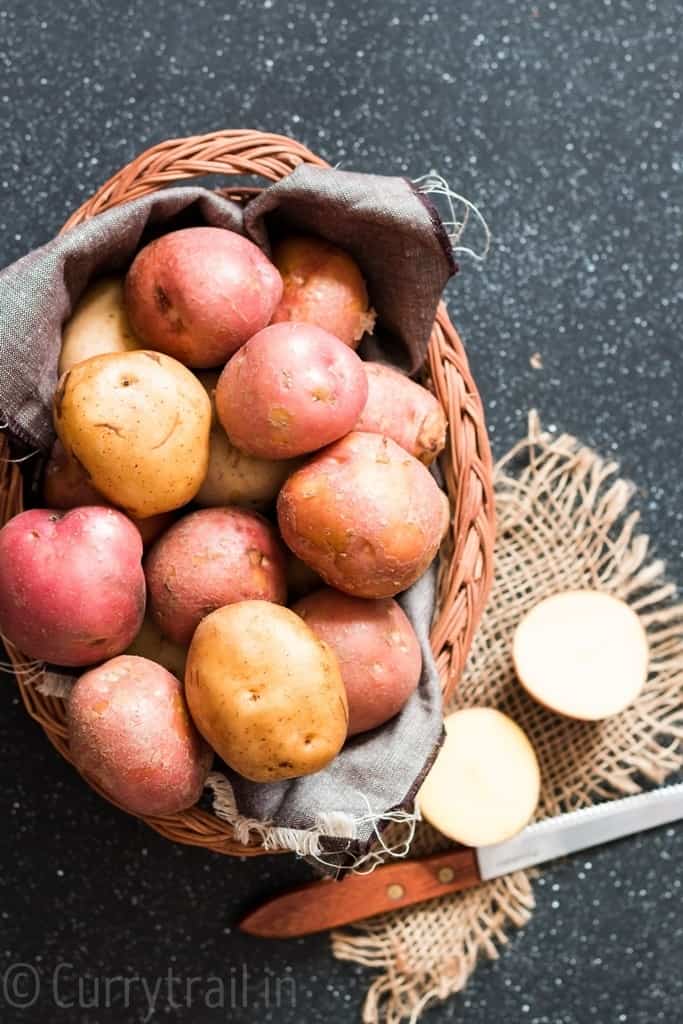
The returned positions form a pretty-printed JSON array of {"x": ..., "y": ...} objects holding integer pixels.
[
  {"x": 265, "y": 692},
  {"x": 138, "y": 422},
  {"x": 399, "y": 408},
  {"x": 233, "y": 477},
  {"x": 209, "y": 559},
  {"x": 199, "y": 293},
  {"x": 368, "y": 517},
  {"x": 130, "y": 732},
  {"x": 151, "y": 643},
  {"x": 322, "y": 286},
  {"x": 484, "y": 786},
  {"x": 378, "y": 653},
  {"x": 582, "y": 653},
  {"x": 301, "y": 579},
  {"x": 98, "y": 324},
  {"x": 73, "y": 589},
  {"x": 152, "y": 527},
  {"x": 67, "y": 485},
  {"x": 290, "y": 390}
]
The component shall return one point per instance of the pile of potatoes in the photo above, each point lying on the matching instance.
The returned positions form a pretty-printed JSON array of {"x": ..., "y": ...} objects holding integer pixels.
[{"x": 221, "y": 450}]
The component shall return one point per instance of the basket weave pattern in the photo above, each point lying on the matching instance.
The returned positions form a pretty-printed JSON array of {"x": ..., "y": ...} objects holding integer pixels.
[{"x": 467, "y": 555}]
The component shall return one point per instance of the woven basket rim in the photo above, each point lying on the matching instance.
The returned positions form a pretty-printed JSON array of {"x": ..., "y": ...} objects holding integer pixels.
[{"x": 466, "y": 558}]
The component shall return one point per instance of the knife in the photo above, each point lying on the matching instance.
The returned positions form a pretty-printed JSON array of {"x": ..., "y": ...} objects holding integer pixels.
[{"x": 325, "y": 904}]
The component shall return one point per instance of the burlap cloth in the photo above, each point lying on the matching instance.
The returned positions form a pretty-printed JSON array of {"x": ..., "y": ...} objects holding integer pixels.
[{"x": 564, "y": 521}]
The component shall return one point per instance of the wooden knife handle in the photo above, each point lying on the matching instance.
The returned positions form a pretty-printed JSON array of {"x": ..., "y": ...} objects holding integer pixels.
[{"x": 325, "y": 904}]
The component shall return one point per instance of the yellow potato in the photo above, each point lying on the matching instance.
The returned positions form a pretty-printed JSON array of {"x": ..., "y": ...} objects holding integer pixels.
[
  {"x": 233, "y": 477},
  {"x": 98, "y": 324},
  {"x": 138, "y": 422},
  {"x": 151, "y": 643},
  {"x": 265, "y": 692}
]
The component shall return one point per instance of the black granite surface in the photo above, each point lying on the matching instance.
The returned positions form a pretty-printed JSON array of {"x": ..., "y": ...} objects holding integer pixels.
[{"x": 563, "y": 121}]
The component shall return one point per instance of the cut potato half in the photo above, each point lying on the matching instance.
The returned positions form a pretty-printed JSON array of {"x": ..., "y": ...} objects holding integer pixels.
[
  {"x": 583, "y": 654},
  {"x": 485, "y": 783}
]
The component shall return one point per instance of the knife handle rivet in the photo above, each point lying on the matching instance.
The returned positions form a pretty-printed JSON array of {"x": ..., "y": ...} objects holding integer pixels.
[
  {"x": 445, "y": 875},
  {"x": 395, "y": 891}
]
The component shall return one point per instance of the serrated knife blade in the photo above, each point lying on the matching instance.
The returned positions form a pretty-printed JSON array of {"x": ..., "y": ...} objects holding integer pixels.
[
  {"x": 326, "y": 904},
  {"x": 579, "y": 830}
]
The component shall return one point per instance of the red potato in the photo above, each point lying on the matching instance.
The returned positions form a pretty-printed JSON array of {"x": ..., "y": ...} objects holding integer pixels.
[
  {"x": 293, "y": 388},
  {"x": 399, "y": 408},
  {"x": 378, "y": 653},
  {"x": 73, "y": 589},
  {"x": 130, "y": 731},
  {"x": 322, "y": 286},
  {"x": 211, "y": 558},
  {"x": 67, "y": 485},
  {"x": 368, "y": 517},
  {"x": 199, "y": 293}
]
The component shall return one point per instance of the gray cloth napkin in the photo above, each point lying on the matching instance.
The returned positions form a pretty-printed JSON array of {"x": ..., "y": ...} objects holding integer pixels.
[{"x": 402, "y": 248}]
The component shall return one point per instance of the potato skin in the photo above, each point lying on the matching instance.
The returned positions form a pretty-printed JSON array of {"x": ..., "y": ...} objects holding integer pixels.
[
  {"x": 73, "y": 589},
  {"x": 138, "y": 422},
  {"x": 67, "y": 485},
  {"x": 151, "y": 643},
  {"x": 208, "y": 559},
  {"x": 406, "y": 412},
  {"x": 323, "y": 286},
  {"x": 130, "y": 731},
  {"x": 199, "y": 293},
  {"x": 98, "y": 324},
  {"x": 290, "y": 390},
  {"x": 233, "y": 477},
  {"x": 378, "y": 653},
  {"x": 366, "y": 515},
  {"x": 265, "y": 692}
]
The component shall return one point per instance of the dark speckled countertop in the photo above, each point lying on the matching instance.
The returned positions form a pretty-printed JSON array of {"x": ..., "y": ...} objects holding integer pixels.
[{"x": 563, "y": 122}]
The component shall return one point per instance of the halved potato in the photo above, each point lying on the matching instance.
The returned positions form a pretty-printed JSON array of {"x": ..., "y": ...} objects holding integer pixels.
[
  {"x": 582, "y": 653},
  {"x": 485, "y": 783}
]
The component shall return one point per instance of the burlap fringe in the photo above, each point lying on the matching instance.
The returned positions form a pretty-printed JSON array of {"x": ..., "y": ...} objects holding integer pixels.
[{"x": 563, "y": 522}]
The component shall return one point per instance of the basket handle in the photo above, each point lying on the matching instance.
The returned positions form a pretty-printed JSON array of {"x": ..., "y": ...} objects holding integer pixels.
[{"x": 233, "y": 152}]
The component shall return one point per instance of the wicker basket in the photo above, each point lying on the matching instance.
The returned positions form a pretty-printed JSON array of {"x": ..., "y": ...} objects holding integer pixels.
[{"x": 467, "y": 554}]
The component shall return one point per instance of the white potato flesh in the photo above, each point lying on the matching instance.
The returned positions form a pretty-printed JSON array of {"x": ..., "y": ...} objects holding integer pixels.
[
  {"x": 484, "y": 786},
  {"x": 582, "y": 653}
]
